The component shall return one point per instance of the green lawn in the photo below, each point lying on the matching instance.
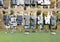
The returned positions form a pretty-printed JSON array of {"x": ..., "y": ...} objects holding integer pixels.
[{"x": 32, "y": 37}]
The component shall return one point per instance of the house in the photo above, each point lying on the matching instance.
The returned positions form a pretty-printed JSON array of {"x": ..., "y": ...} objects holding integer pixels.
[
  {"x": 13, "y": 2},
  {"x": 44, "y": 2},
  {"x": 39, "y": 1},
  {"x": 20, "y": 2},
  {"x": 1, "y": 2},
  {"x": 27, "y": 2},
  {"x": 33, "y": 1}
]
